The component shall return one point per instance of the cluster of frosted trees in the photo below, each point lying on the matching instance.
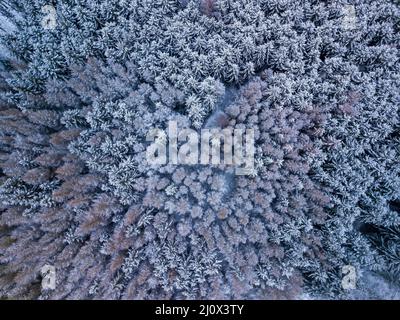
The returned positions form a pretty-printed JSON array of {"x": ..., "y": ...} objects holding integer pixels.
[{"x": 316, "y": 80}]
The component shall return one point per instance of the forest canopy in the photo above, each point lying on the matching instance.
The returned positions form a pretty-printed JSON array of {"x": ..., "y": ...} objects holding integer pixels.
[{"x": 83, "y": 82}]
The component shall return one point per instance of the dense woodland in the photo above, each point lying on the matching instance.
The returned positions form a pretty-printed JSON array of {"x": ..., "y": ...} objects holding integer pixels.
[{"x": 317, "y": 80}]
